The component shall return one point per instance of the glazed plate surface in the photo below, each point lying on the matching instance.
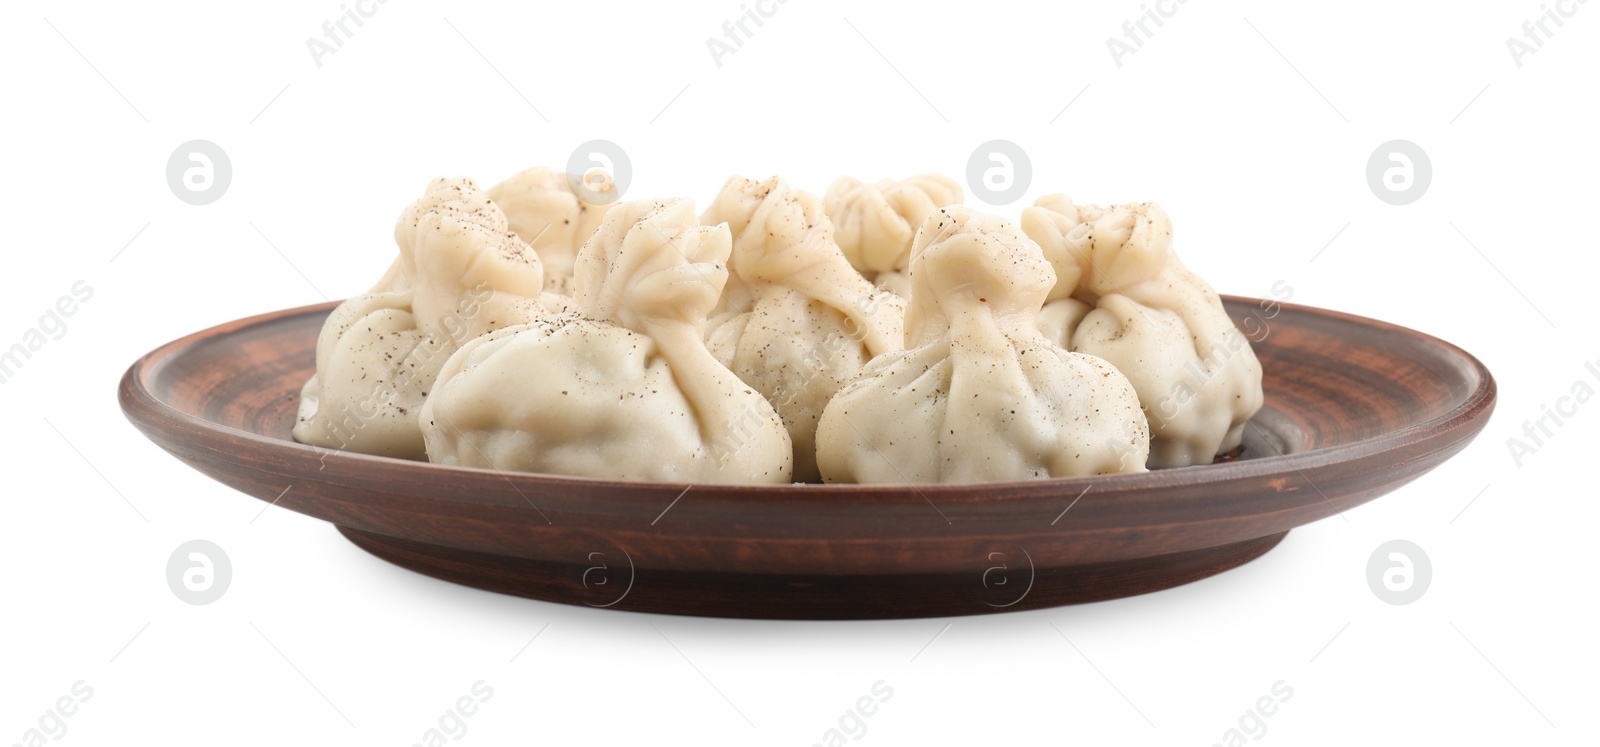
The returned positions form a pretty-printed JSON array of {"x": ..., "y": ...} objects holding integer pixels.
[{"x": 1354, "y": 409}]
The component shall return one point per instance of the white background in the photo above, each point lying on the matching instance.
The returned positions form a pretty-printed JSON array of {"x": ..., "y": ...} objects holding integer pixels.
[{"x": 1251, "y": 122}]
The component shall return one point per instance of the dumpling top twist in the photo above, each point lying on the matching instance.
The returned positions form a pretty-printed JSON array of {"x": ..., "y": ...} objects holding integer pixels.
[
  {"x": 455, "y": 239},
  {"x": 652, "y": 269},
  {"x": 545, "y": 210},
  {"x": 783, "y": 237},
  {"x": 876, "y": 221},
  {"x": 1122, "y": 250},
  {"x": 974, "y": 268}
]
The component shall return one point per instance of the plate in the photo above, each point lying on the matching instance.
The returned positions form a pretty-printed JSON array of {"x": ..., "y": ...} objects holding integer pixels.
[{"x": 1354, "y": 409}]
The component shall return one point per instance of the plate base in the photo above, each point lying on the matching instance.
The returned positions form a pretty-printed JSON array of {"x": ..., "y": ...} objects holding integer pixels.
[{"x": 618, "y": 584}]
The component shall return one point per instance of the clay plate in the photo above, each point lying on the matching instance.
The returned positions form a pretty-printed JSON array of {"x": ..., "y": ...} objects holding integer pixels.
[{"x": 1354, "y": 409}]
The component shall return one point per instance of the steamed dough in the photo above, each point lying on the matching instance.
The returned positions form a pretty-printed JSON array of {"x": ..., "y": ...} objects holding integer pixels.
[
  {"x": 1121, "y": 294},
  {"x": 622, "y": 387},
  {"x": 880, "y": 334},
  {"x": 877, "y": 221},
  {"x": 544, "y": 210},
  {"x": 979, "y": 394},
  {"x": 807, "y": 321},
  {"x": 461, "y": 273}
]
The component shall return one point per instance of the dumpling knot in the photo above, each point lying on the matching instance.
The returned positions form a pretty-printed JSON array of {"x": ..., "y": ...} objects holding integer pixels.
[
  {"x": 964, "y": 262},
  {"x": 877, "y": 221},
  {"x": 778, "y": 231},
  {"x": 555, "y": 214},
  {"x": 650, "y": 264}
]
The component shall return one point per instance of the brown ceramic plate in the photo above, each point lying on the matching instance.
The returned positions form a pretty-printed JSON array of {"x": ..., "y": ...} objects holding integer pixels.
[{"x": 1354, "y": 409}]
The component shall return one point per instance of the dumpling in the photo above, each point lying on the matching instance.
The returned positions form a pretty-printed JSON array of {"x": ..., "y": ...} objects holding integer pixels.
[
  {"x": 979, "y": 394},
  {"x": 806, "y": 321},
  {"x": 876, "y": 221},
  {"x": 461, "y": 272},
  {"x": 547, "y": 212},
  {"x": 623, "y": 387},
  {"x": 1123, "y": 295}
]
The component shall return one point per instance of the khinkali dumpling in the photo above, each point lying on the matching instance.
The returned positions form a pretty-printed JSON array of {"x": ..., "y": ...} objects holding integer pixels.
[
  {"x": 979, "y": 394},
  {"x": 1121, "y": 294},
  {"x": 875, "y": 222},
  {"x": 546, "y": 210},
  {"x": 806, "y": 321},
  {"x": 461, "y": 272},
  {"x": 623, "y": 387}
]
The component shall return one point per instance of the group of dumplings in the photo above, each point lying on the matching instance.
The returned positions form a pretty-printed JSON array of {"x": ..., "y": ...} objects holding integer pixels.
[{"x": 883, "y": 333}]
